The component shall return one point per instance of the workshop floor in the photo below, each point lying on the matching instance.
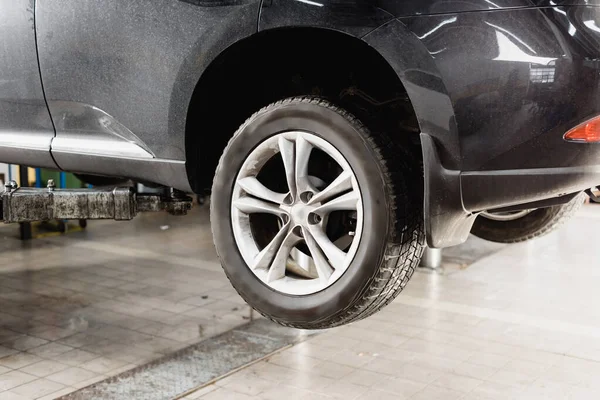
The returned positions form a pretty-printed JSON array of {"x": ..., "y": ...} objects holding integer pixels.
[
  {"x": 77, "y": 308},
  {"x": 521, "y": 323}
]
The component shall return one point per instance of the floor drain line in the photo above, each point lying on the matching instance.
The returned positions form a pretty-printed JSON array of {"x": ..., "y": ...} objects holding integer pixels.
[{"x": 186, "y": 370}]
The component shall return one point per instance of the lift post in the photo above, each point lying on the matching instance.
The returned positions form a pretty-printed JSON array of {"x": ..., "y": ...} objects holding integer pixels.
[
  {"x": 25, "y": 232},
  {"x": 18, "y": 205}
]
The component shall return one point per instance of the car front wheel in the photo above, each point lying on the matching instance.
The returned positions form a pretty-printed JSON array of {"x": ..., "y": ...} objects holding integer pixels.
[{"x": 316, "y": 221}]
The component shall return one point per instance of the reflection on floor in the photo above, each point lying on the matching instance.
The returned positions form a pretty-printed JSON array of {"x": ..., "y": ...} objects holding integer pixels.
[
  {"x": 78, "y": 308},
  {"x": 522, "y": 323}
]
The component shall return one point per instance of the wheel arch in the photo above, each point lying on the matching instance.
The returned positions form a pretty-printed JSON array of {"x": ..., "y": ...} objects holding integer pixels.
[
  {"x": 230, "y": 79},
  {"x": 425, "y": 87},
  {"x": 231, "y": 73},
  {"x": 447, "y": 223}
]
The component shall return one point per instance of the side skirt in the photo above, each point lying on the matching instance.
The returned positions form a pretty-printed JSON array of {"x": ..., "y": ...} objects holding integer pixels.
[{"x": 169, "y": 173}]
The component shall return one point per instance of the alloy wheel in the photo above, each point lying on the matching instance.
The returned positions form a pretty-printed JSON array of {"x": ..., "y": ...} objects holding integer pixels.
[{"x": 298, "y": 234}]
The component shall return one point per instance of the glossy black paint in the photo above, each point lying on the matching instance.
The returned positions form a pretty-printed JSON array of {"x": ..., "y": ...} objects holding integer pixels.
[
  {"x": 494, "y": 85},
  {"x": 356, "y": 18},
  {"x": 518, "y": 83},
  {"x": 431, "y": 7},
  {"x": 424, "y": 85},
  {"x": 521, "y": 80}
]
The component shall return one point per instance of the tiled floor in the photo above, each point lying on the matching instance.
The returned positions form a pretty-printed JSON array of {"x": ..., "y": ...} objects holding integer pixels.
[
  {"x": 78, "y": 308},
  {"x": 523, "y": 323}
]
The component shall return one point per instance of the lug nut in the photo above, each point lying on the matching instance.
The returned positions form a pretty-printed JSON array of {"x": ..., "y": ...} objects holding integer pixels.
[
  {"x": 306, "y": 196},
  {"x": 288, "y": 200},
  {"x": 314, "y": 219},
  {"x": 10, "y": 185}
]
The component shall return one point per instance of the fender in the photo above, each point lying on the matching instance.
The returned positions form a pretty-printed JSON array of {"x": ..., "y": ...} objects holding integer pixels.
[
  {"x": 238, "y": 23},
  {"x": 129, "y": 71},
  {"x": 446, "y": 221},
  {"x": 399, "y": 46}
]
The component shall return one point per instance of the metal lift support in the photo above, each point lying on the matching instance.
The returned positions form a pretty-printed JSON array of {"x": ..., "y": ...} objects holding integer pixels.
[{"x": 122, "y": 203}]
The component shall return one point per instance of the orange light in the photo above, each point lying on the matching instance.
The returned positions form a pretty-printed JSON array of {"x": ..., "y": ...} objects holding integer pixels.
[{"x": 587, "y": 132}]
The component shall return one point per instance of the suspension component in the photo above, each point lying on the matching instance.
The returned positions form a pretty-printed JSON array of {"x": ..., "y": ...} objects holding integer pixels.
[{"x": 593, "y": 196}]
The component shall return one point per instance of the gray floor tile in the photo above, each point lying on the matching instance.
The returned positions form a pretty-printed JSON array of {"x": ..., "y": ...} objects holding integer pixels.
[{"x": 516, "y": 324}]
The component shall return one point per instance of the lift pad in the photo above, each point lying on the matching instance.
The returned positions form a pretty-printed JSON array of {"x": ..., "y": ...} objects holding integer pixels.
[{"x": 44, "y": 204}]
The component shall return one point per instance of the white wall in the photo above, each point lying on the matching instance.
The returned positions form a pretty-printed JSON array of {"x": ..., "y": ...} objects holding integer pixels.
[{"x": 4, "y": 170}]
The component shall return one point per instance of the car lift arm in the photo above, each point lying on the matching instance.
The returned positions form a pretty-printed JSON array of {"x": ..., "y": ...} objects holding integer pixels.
[{"x": 44, "y": 204}]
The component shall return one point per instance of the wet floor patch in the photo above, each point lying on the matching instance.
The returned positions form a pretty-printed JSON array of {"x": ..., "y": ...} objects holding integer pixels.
[{"x": 195, "y": 366}]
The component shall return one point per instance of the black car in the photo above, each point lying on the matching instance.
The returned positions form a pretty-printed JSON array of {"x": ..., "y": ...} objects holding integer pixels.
[{"x": 344, "y": 134}]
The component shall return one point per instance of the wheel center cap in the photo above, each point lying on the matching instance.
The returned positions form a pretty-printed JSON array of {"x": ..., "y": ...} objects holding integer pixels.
[{"x": 299, "y": 214}]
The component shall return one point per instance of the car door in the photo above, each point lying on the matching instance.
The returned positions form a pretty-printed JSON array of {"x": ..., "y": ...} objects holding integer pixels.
[
  {"x": 25, "y": 127},
  {"x": 119, "y": 76}
]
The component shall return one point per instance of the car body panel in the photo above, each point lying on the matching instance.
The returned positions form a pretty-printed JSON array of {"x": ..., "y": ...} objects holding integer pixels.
[
  {"x": 521, "y": 80},
  {"x": 435, "y": 7},
  {"x": 25, "y": 125},
  {"x": 494, "y": 85},
  {"x": 398, "y": 45},
  {"x": 424, "y": 84},
  {"x": 124, "y": 72},
  {"x": 356, "y": 18},
  {"x": 518, "y": 81},
  {"x": 431, "y": 7},
  {"x": 354, "y": 15}
]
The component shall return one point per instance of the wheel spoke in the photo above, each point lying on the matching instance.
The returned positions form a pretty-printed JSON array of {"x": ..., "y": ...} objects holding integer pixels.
[
  {"x": 347, "y": 201},
  {"x": 324, "y": 269},
  {"x": 301, "y": 264},
  {"x": 303, "y": 150},
  {"x": 265, "y": 257},
  {"x": 301, "y": 255},
  {"x": 335, "y": 256},
  {"x": 250, "y": 205},
  {"x": 279, "y": 265},
  {"x": 252, "y": 186},
  {"x": 286, "y": 149},
  {"x": 340, "y": 185}
]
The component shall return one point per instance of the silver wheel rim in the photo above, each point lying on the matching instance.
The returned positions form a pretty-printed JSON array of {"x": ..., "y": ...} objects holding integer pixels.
[
  {"x": 505, "y": 216},
  {"x": 301, "y": 257}
]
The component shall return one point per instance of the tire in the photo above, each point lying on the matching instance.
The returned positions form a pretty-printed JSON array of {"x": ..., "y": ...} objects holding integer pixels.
[
  {"x": 391, "y": 236},
  {"x": 538, "y": 222}
]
